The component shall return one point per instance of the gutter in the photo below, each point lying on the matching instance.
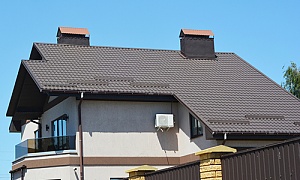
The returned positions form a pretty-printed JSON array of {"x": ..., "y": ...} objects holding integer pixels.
[
  {"x": 80, "y": 139},
  {"x": 252, "y": 136}
]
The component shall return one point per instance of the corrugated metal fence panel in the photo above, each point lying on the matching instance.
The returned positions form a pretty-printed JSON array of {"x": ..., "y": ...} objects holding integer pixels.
[
  {"x": 189, "y": 171},
  {"x": 274, "y": 162}
]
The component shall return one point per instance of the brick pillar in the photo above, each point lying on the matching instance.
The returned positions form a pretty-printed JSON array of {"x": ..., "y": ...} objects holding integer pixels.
[
  {"x": 139, "y": 172},
  {"x": 210, "y": 162}
]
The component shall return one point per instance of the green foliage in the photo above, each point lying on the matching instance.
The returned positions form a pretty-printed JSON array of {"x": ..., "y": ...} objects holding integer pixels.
[{"x": 292, "y": 79}]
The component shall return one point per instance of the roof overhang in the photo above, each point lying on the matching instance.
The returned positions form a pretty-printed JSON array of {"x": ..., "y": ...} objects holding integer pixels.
[{"x": 26, "y": 102}]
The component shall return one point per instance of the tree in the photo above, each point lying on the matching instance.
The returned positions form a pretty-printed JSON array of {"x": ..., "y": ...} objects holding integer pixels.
[{"x": 292, "y": 79}]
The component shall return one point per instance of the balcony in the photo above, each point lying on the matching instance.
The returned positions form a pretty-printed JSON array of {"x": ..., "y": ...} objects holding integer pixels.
[{"x": 45, "y": 145}]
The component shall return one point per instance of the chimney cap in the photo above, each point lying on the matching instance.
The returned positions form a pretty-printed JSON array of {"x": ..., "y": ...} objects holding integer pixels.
[
  {"x": 192, "y": 32},
  {"x": 70, "y": 30}
]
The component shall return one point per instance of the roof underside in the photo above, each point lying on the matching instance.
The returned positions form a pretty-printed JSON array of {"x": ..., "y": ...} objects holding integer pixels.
[
  {"x": 26, "y": 102},
  {"x": 227, "y": 94}
]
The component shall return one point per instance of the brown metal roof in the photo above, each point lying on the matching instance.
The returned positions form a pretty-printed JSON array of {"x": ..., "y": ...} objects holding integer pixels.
[
  {"x": 196, "y": 32},
  {"x": 70, "y": 30},
  {"x": 228, "y": 95}
]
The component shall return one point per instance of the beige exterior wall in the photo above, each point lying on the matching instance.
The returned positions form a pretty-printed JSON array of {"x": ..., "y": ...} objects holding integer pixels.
[
  {"x": 73, "y": 173},
  {"x": 61, "y": 173},
  {"x": 28, "y": 130},
  {"x": 123, "y": 128},
  {"x": 69, "y": 107},
  {"x": 190, "y": 145}
]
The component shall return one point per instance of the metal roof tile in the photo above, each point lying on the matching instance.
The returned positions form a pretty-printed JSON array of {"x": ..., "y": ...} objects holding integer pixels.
[{"x": 222, "y": 91}]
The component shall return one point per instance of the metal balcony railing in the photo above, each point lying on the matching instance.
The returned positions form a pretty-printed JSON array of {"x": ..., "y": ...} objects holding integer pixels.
[{"x": 45, "y": 145}]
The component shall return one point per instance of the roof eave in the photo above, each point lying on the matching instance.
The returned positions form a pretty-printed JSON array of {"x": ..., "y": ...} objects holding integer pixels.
[
  {"x": 18, "y": 108},
  {"x": 16, "y": 91}
]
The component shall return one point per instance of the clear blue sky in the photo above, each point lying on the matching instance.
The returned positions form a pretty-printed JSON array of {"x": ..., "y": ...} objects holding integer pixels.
[{"x": 264, "y": 33}]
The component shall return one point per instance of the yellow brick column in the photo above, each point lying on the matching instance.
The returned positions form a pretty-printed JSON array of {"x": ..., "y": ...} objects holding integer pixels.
[
  {"x": 139, "y": 172},
  {"x": 210, "y": 162}
]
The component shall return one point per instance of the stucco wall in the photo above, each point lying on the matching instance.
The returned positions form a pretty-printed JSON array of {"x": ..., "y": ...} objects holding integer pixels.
[
  {"x": 28, "y": 130},
  {"x": 126, "y": 128},
  {"x": 190, "y": 145},
  {"x": 62, "y": 173},
  {"x": 69, "y": 107},
  {"x": 73, "y": 173},
  {"x": 123, "y": 128}
]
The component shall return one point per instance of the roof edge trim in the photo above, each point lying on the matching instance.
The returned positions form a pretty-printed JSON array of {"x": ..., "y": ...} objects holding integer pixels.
[
  {"x": 195, "y": 114},
  {"x": 254, "y": 135},
  {"x": 16, "y": 90},
  {"x": 265, "y": 76},
  {"x": 31, "y": 75},
  {"x": 38, "y": 50}
]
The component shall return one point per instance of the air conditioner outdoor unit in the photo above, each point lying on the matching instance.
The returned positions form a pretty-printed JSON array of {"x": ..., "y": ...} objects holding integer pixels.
[{"x": 164, "y": 121}]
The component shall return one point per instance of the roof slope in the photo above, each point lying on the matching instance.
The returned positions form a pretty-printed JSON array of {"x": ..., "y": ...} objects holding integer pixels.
[{"x": 227, "y": 94}]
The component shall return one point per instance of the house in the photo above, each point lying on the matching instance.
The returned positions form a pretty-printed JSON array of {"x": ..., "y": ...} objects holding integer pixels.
[{"x": 94, "y": 112}]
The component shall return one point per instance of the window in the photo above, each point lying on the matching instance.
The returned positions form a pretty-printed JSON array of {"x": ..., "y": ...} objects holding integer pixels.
[
  {"x": 196, "y": 127},
  {"x": 59, "y": 129},
  {"x": 59, "y": 126}
]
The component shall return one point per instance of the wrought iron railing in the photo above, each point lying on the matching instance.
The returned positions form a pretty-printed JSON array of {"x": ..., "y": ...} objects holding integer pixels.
[{"x": 45, "y": 145}]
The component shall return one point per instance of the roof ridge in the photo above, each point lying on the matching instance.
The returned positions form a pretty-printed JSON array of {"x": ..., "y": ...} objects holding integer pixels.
[
  {"x": 224, "y": 52},
  {"x": 130, "y": 48},
  {"x": 109, "y": 47}
]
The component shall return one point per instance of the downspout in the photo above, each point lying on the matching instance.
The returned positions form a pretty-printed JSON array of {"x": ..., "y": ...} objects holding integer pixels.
[
  {"x": 80, "y": 139},
  {"x": 224, "y": 139}
]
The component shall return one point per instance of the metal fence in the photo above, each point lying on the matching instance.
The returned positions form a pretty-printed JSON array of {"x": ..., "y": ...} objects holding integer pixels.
[
  {"x": 275, "y": 162},
  {"x": 189, "y": 171}
]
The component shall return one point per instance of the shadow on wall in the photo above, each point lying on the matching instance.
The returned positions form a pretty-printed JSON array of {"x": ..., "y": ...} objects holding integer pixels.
[
  {"x": 168, "y": 140},
  {"x": 201, "y": 141},
  {"x": 184, "y": 124}
]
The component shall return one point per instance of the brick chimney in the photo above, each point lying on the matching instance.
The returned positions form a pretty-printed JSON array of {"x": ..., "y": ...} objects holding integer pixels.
[
  {"x": 75, "y": 36},
  {"x": 197, "y": 44}
]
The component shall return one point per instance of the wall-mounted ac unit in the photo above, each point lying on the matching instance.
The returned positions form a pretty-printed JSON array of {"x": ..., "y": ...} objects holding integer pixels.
[{"x": 164, "y": 121}]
